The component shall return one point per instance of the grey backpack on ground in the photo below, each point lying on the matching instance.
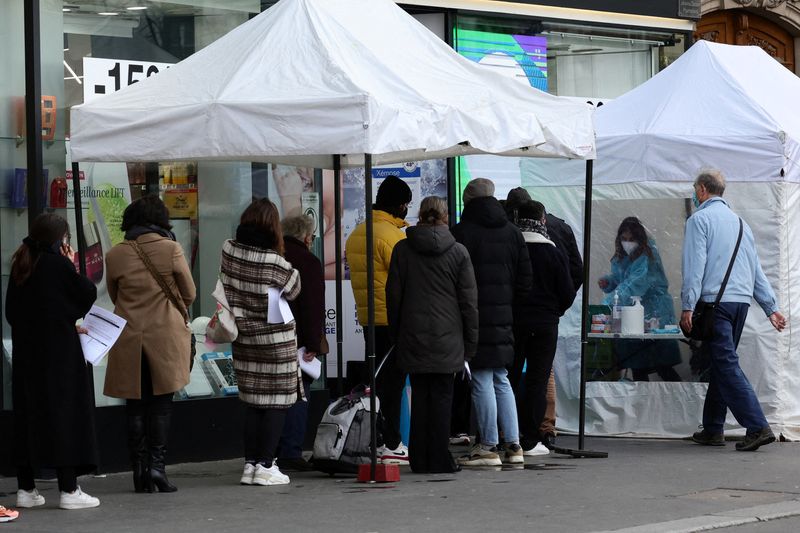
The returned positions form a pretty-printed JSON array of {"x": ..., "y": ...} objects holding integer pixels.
[{"x": 343, "y": 436}]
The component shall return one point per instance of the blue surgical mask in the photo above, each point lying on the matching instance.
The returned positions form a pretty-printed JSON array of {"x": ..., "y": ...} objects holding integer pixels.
[{"x": 695, "y": 201}]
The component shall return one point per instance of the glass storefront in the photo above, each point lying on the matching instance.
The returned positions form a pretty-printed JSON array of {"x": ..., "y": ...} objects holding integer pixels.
[
  {"x": 591, "y": 62},
  {"x": 94, "y": 47}
]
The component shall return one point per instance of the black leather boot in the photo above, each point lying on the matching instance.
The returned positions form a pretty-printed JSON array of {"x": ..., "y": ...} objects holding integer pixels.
[
  {"x": 158, "y": 430},
  {"x": 137, "y": 448}
]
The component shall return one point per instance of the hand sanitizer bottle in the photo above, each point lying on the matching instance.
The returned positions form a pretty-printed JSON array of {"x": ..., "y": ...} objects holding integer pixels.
[{"x": 616, "y": 315}]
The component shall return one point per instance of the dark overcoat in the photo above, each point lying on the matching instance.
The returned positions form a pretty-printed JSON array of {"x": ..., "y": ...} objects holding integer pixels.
[
  {"x": 432, "y": 302},
  {"x": 51, "y": 382},
  {"x": 502, "y": 272}
]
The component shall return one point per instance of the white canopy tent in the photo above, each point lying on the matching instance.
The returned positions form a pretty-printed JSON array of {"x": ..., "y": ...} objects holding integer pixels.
[
  {"x": 308, "y": 78},
  {"x": 323, "y": 83},
  {"x": 733, "y": 108}
]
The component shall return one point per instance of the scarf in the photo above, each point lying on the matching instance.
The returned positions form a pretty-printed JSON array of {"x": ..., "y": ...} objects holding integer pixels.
[
  {"x": 533, "y": 226},
  {"x": 137, "y": 231},
  {"x": 251, "y": 236}
]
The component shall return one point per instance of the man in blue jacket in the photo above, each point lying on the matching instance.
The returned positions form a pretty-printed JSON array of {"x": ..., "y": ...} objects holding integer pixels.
[{"x": 711, "y": 234}]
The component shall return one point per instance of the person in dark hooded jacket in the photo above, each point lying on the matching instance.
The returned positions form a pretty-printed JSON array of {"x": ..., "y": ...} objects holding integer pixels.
[
  {"x": 502, "y": 272},
  {"x": 432, "y": 306}
]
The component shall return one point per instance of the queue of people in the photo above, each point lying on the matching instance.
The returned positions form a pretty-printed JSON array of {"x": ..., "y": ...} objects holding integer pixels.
[{"x": 459, "y": 310}]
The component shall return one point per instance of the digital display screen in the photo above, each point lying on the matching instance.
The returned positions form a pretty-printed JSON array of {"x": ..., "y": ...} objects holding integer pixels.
[{"x": 522, "y": 57}]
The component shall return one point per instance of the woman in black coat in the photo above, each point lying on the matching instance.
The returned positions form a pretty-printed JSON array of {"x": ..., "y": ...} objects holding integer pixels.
[
  {"x": 51, "y": 387},
  {"x": 432, "y": 306},
  {"x": 536, "y": 318}
]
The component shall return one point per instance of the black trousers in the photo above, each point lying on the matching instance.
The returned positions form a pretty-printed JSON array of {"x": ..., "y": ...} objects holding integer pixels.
[
  {"x": 149, "y": 404},
  {"x": 262, "y": 432},
  {"x": 390, "y": 383},
  {"x": 460, "y": 421},
  {"x": 536, "y": 346},
  {"x": 431, "y": 402},
  {"x": 67, "y": 478}
]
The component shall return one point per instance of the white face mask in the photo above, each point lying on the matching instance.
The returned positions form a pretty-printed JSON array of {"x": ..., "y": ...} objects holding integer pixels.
[{"x": 629, "y": 246}]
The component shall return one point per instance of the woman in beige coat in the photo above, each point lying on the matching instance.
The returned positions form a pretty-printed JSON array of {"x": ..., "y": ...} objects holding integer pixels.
[{"x": 151, "y": 359}]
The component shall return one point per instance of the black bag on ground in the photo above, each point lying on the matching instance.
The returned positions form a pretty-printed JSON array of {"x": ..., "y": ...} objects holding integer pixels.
[
  {"x": 704, "y": 312},
  {"x": 343, "y": 436}
]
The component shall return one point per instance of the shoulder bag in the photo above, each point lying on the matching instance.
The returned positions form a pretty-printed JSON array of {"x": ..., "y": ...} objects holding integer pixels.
[
  {"x": 222, "y": 329},
  {"x": 704, "y": 312},
  {"x": 179, "y": 305}
]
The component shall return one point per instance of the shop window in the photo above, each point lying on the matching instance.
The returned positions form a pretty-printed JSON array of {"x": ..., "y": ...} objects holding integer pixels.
[{"x": 590, "y": 62}]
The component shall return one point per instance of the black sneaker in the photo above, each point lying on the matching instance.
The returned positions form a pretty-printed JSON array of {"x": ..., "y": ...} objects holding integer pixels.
[
  {"x": 294, "y": 465},
  {"x": 752, "y": 441},
  {"x": 708, "y": 439},
  {"x": 549, "y": 440}
]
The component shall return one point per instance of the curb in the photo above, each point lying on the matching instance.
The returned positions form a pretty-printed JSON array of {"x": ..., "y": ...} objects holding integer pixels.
[{"x": 736, "y": 517}]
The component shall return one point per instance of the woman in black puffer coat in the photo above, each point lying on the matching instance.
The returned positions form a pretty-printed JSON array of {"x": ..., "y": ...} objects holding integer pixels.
[{"x": 433, "y": 320}]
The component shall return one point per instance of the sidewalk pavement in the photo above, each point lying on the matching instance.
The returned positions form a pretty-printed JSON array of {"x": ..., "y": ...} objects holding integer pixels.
[{"x": 648, "y": 485}]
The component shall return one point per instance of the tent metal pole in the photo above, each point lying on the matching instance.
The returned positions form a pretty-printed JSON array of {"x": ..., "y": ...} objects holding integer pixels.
[
  {"x": 76, "y": 195},
  {"x": 370, "y": 340},
  {"x": 587, "y": 232},
  {"x": 337, "y": 202},
  {"x": 33, "y": 110}
]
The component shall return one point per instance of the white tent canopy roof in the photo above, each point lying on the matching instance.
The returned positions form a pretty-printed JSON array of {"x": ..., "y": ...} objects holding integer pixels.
[
  {"x": 732, "y": 108},
  {"x": 311, "y": 78}
]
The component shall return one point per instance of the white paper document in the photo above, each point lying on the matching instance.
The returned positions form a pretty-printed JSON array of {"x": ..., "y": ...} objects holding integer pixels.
[
  {"x": 312, "y": 369},
  {"x": 104, "y": 328},
  {"x": 278, "y": 311}
]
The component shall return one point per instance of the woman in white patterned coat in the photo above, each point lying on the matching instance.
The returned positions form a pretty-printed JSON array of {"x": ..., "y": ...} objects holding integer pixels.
[{"x": 264, "y": 354}]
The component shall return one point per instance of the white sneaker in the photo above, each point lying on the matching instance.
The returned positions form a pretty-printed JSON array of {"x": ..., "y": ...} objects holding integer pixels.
[
  {"x": 28, "y": 499},
  {"x": 247, "y": 475},
  {"x": 77, "y": 500},
  {"x": 269, "y": 476},
  {"x": 462, "y": 439},
  {"x": 539, "y": 449},
  {"x": 398, "y": 456}
]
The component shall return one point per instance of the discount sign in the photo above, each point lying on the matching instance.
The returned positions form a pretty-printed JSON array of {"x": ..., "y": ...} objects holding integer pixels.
[{"x": 106, "y": 76}]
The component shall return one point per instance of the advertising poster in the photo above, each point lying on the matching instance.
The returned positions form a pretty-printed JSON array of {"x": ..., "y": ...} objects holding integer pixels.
[{"x": 426, "y": 178}]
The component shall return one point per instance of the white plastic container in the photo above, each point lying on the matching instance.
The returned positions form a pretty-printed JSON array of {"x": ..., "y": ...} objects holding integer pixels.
[{"x": 633, "y": 318}]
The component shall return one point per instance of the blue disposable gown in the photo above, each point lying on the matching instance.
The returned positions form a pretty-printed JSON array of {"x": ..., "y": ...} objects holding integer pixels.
[{"x": 644, "y": 276}]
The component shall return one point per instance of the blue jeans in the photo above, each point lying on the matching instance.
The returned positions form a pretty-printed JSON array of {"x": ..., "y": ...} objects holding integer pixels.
[
  {"x": 493, "y": 399},
  {"x": 728, "y": 387}
]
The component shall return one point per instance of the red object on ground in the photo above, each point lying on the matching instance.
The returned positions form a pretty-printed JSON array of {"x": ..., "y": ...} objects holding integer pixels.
[{"x": 383, "y": 473}]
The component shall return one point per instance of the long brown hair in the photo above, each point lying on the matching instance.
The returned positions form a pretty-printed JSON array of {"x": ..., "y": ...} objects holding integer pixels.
[
  {"x": 47, "y": 230},
  {"x": 262, "y": 215}
]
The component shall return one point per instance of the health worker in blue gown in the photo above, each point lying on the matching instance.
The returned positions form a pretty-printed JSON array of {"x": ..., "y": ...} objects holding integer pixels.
[{"x": 636, "y": 270}]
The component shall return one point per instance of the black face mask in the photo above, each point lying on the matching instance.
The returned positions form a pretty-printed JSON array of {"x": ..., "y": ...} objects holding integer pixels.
[{"x": 403, "y": 213}]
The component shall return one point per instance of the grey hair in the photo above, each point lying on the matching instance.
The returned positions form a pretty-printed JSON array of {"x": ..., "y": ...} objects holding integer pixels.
[
  {"x": 299, "y": 226},
  {"x": 433, "y": 210},
  {"x": 478, "y": 188},
  {"x": 712, "y": 180}
]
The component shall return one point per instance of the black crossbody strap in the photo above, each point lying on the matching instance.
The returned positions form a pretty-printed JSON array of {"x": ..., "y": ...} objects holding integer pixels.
[
  {"x": 730, "y": 266},
  {"x": 160, "y": 279}
]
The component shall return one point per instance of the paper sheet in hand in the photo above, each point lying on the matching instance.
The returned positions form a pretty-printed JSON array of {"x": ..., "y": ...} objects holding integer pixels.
[
  {"x": 312, "y": 369},
  {"x": 278, "y": 311},
  {"x": 104, "y": 329}
]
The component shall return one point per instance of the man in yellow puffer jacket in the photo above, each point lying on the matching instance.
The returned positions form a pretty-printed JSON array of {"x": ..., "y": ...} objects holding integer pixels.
[{"x": 390, "y": 210}]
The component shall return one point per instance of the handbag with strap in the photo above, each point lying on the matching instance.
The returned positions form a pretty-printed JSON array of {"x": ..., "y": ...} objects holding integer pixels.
[
  {"x": 705, "y": 312},
  {"x": 178, "y": 303},
  {"x": 222, "y": 327}
]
